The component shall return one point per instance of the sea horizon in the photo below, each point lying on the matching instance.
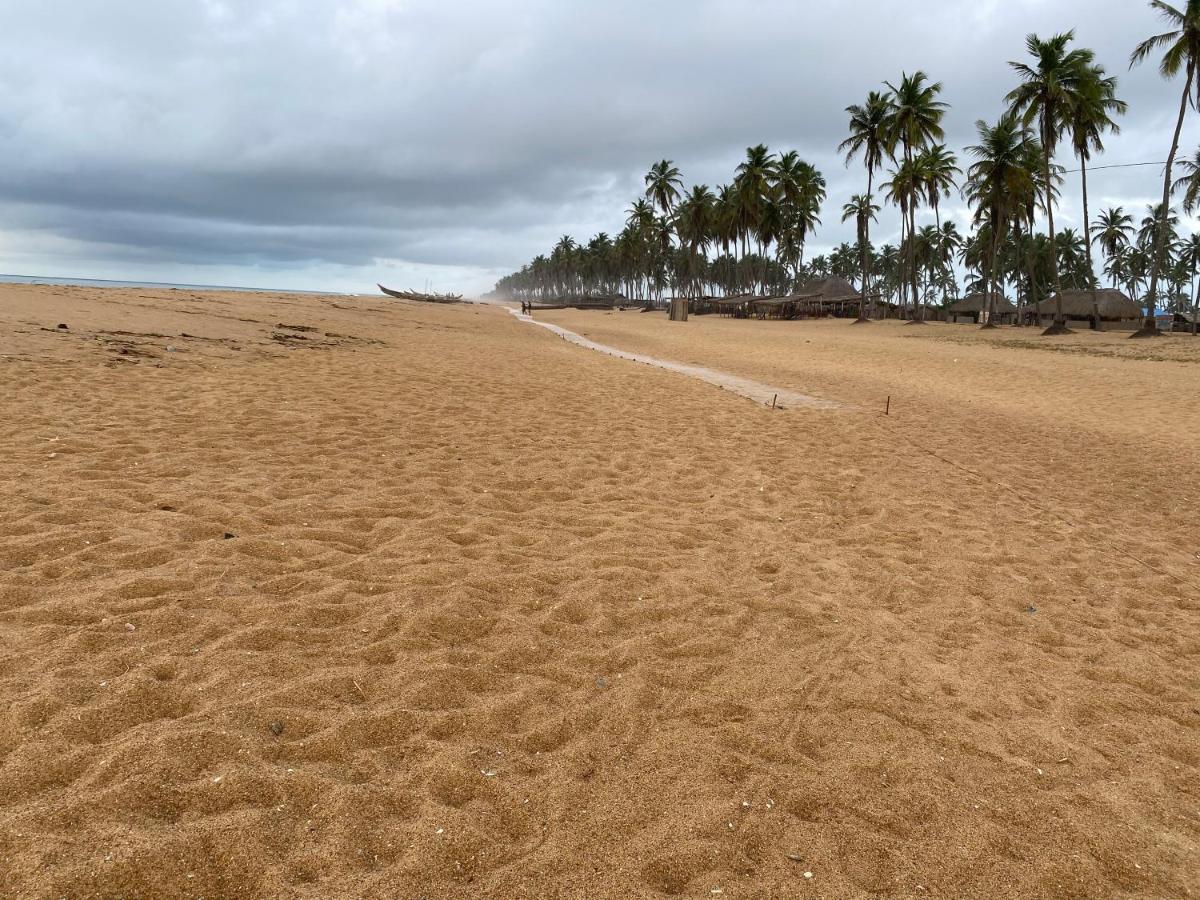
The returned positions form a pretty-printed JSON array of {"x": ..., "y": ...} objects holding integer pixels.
[{"x": 72, "y": 281}]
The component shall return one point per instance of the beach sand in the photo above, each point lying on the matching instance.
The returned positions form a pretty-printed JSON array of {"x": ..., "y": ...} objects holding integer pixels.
[{"x": 428, "y": 602}]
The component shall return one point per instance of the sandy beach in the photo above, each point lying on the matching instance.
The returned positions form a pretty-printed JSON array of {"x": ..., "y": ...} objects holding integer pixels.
[{"x": 329, "y": 596}]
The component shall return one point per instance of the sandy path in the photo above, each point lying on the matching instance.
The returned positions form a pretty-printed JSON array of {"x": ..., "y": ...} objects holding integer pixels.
[
  {"x": 505, "y": 617},
  {"x": 766, "y": 394}
]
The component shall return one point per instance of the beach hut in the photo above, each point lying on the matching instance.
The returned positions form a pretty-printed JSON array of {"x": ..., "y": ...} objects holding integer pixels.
[
  {"x": 973, "y": 309},
  {"x": 1116, "y": 311},
  {"x": 1187, "y": 321},
  {"x": 814, "y": 299},
  {"x": 828, "y": 288},
  {"x": 738, "y": 307}
]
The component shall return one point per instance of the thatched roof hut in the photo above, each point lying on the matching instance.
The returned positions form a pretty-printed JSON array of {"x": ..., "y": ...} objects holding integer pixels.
[
  {"x": 830, "y": 288},
  {"x": 1112, "y": 305},
  {"x": 978, "y": 302}
]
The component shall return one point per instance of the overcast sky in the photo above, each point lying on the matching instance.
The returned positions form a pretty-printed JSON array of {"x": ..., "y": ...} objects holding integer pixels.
[{"x": 330, "y": 144}]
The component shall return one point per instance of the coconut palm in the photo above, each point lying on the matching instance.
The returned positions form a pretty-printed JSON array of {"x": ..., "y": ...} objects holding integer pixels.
[
  {"x": 664, "y": 185},
  {"x": 937, "y": 167},
  {"x": 1159, "y": 229},
  {"x": 914, "y": 121},
  {"x": 868, "y": 137},
  {"x": 753, "y": 181},
  {"x": 694, "y": 221},
  {"x": 1181, "y": 46},
  {"x": 1113, "y": 231},
  {"x": 863, "y": 211},
  {"x": 1189, "y": 182},
  {"x": 1189, "y": 253},
  {"x": 1073, "y": 258},
  {"x": 802, "y": 212},
  {"x": 997, "y": 184},
  {"x": 1090, "y": 119},
  {"x": 1049, "y": 92},
  {"x": 902, "y": 190},
  {"x": 950, "y": 242}
]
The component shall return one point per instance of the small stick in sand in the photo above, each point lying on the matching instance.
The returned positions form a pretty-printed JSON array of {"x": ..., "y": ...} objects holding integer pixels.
[
  {"x": 887, "y": 411},
  {"x": 773, "y": 399}
]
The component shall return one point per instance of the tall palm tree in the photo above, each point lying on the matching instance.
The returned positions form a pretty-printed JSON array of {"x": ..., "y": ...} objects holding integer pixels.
[
  {"x": 862, "y": 210},
  {"x": 902, "y": 190},
  {"x": 1190, "y": 254},
  {"x": 937, "y": 167},
  {"x": 1090, "y": 119},
  {"x": 694, "y": 224},
  {"x": 1181, "y": 47},
  {"x": 868, "y": 136},
  {"x": 795, "y": 193},
  {"x": 914, "y": 121},
  {"x": 664, "y": 185},
  {"x": 997, "y": 184},
  {"x": 1114, "y": 229},
  {"x": 1049, "y": 93},
  {"x": 753, "y": 181},
  {"x": 1159, "y": 228},
  {"x": 950, "y": 241},
  {"x": 805, "y": 215},
  {"x": 1189, "y": 182}
]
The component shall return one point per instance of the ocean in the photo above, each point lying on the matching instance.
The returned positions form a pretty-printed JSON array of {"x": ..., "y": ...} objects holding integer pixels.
[{"x": 108, "y": 283}]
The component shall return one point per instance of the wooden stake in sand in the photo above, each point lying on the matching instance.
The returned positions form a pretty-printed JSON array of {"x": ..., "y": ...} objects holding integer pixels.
[
  {"x": 773, "y": 399},
  {"x": 887, "y": 410}
]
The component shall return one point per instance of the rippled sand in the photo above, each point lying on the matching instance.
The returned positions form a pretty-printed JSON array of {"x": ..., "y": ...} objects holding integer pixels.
[{"x": 353, "y": 597}]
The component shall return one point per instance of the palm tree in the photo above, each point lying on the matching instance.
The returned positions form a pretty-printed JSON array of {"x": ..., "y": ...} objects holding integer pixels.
[
  {"x": 997, "y": 185},
  {"x": 914, "y": 120},
  {"x": 1189, "y": 183},
  {"x": 937, "y": 167},
  {"x": 694, "y": 224},
  {"x": 862, "y": 210},
  {"x": 753, "y": 181},
  {"x": 1073, "y": 258},
  {"x": 1089, "y": 120},
  {"x": 1049, "y": 93},
  {"x": 1182, "y": 51},
  {"x": 805, "y": 214},
  {"x": 1114, "y": 229},
  {"x": 1159, "y": 228},
  {"x": 868, "y": 136},
  {"x": 949, "y": 244},
  {"x": 664, "y": 185},
  {"x": 903, "y": 190},
  {"x": 1189, "y": 253}
]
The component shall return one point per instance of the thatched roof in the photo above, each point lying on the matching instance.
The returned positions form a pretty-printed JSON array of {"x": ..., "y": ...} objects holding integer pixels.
[
  {"x": 1113, "y": 304},
  {"x": 978, "y": 302},
  {"x": 828, "y": 288}
]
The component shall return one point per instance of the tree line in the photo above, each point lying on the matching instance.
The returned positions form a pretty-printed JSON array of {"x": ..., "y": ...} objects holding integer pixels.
[{"x": 749, "y": 236}]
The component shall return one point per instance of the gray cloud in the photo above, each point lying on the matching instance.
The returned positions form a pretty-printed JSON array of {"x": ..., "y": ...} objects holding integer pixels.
[{"x": 342, "y": 142}]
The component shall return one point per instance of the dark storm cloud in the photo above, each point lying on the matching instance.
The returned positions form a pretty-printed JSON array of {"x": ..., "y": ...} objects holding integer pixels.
[{"x": 349, "y": 136}]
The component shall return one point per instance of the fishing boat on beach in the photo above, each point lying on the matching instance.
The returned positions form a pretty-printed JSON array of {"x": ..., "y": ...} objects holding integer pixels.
[{"x": 422, "y": 297}]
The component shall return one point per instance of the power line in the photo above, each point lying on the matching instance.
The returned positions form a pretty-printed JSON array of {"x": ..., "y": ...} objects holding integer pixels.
[{"x": 1119, "y": 166}]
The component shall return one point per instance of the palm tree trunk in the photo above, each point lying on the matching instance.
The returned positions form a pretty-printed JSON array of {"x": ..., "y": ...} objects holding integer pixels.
[
  {"x": 865, "y": 253},
  {"x": 1195, "y": 299},
  {"x": 1060, "y": 321},
  {"x": 1087, "y": 238},
  {"x": 989, "y": 300},
  {"x": 1148, "y": 327},
  {"x": 1031, "y": 262}
]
